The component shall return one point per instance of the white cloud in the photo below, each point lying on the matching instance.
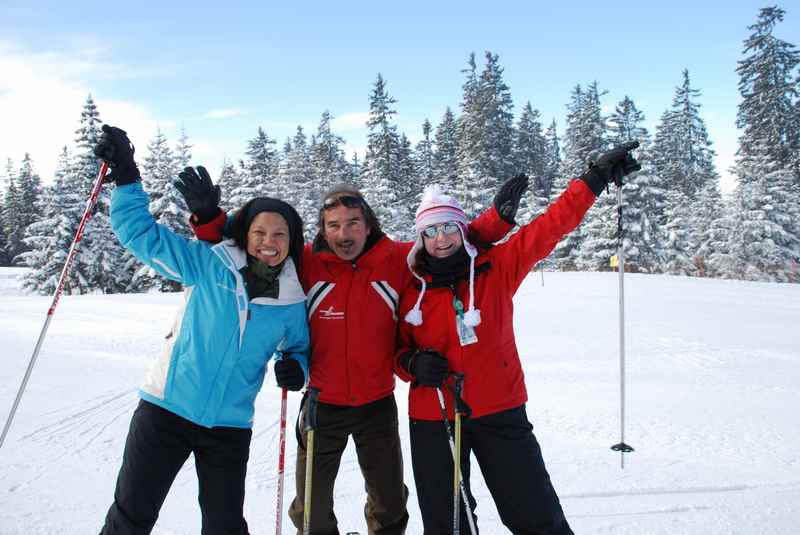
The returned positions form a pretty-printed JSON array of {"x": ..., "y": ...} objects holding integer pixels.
[
  {"x": 224, "y": 113},
  {"x": 350, "y": 121},
  {"x": 41, "y": 97}
]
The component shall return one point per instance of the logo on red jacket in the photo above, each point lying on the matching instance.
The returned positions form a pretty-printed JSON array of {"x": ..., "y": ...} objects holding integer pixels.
[{"x": 330, "y": 314}]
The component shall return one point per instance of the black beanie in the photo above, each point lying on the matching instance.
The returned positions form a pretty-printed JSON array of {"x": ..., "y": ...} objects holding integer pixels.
[{"x": 244, "y": 217}]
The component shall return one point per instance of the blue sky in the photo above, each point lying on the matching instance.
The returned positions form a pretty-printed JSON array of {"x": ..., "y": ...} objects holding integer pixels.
[{"x": 221, "y": 71}]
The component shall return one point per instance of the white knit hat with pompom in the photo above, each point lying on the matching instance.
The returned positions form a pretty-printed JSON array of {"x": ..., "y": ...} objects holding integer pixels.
[{"x": 437, "y": 207}]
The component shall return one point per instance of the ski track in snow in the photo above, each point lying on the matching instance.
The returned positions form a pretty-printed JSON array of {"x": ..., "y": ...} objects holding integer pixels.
[{"x": 712, "y": 370}]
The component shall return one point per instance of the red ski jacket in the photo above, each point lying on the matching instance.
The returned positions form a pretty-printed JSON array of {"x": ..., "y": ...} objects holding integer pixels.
[
  {"x": 494, "y": 380},
  {"x": 352, "y": 312}
]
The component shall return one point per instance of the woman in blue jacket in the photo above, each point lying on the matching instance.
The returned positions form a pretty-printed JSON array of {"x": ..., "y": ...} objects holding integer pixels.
[{"x": 243, "y": 304}]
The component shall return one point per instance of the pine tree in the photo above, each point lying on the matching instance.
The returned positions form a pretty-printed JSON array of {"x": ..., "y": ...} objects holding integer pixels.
[
  {"x": 229, "y": 179},
  {"x": 682, "y": 151},
  {"x": 258, "y": 180},
  {"x": 445, "y": 156},
  {"x": 183, "y": 152},
  {"x": 410, "y": 190},
  {"x": 3, "y": 238},
  {"x": 768, "y": 113},
  {"x": 50, "y": 238},
  {"x": 167, "y": 206},
  {"x": 498, "y": 121},
  {"x": 679, "y": 247},
  {"x": 485, "y": 135},
  {"x": 767, "y": 244},
  {"x": 765, "y": 235},
  {"x": 708, "y": 227},
  {"x": 328, "y": 163},
  {"x": 585, "y": 137},
  {"x": 299, "y": 180},
  {"x": 29, "y": 191},
  {"x": 643, "y": 195},
  {"x": 381, "y": 180},
  {"x": 424, "y": 155},
  {"x": 552, "y": 159},
  {"x": 683, "y": 158},
  {"x": 98, "y": 262},
  {"x": 530, "y": 158},
  {"x": 469, "y": 139},
  {"x": 356, "y": 170},
  {"x": 721, "y": 260},
  {"x": 12, "y": 214}
]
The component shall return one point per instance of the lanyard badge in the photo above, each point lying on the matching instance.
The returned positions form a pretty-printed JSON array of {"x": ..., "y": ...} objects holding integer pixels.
[{"x": 466, "y": 335}]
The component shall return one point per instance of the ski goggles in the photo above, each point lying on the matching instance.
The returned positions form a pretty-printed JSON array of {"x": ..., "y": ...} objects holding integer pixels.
[
  {"x": 446, "y": 228},
  {"x": 348, "y": 201}
]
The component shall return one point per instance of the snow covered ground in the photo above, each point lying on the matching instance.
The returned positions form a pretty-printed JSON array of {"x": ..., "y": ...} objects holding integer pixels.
[{"x": 713, "y": 397}]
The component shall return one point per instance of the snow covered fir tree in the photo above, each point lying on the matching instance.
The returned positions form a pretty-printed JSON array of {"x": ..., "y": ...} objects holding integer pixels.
[{"x": 676, "y": 219}]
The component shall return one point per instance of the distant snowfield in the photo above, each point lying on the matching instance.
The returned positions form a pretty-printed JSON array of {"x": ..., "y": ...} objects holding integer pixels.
[{"x": 713, "y": 371}]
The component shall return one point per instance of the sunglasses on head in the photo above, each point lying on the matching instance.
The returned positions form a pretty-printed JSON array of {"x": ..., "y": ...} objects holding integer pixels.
[
  {"x": 446, "y": 228},
  {"x": 348, "y": 201}
]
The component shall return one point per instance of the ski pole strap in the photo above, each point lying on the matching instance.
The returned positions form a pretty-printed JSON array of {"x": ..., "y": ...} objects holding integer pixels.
[
  {"x": 457, "y": 389},
  {"x": 312, "y": 402}
]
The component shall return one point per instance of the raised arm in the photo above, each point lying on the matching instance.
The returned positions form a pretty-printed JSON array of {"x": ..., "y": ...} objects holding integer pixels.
[{"x": 538, "y": 238}]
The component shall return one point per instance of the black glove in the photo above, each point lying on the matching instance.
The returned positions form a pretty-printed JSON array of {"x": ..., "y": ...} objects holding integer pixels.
[
  {"x": 289, "y": 374},
  {"x": 428, "y": 367},
  {"x": 116, "y": 150},
  {"x": 610, "y": 167},
  {"x": 506, "y": 202},
  {"x": 199, "y": 192}
]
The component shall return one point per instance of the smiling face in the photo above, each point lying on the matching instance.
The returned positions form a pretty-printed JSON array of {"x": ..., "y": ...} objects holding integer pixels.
[
  {"x": 346, "y": 231},
  {"x": 268, "y": 238},
  {"x": 442, "y": 244}
]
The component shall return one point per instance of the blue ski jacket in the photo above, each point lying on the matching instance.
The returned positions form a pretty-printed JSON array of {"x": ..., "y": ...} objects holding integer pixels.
[{"x": 216, "y": 354}]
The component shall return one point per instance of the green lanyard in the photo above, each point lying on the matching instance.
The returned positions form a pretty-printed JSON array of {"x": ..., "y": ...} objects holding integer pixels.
[{"x": 459, "y": 306}]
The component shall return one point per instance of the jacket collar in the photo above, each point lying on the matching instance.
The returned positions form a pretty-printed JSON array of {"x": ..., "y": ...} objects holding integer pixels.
[
  {"x": 235, "y": 259},
  {"x": 446, "y": 282}
]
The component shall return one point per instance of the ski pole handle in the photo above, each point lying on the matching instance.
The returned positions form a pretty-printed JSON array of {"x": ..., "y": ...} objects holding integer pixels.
[
  {"x": 312, "y": 402},
  {"x": 309, "y": 425}
]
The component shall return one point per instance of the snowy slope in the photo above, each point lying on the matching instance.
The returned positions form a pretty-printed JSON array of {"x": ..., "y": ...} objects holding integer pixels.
[{"x": 713, "y": 375}]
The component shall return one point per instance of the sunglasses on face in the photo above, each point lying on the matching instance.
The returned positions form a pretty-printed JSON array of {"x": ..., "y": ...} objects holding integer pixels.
[
  {"x": 446, "y": 228},
  {"x": 348, "y": 201}
]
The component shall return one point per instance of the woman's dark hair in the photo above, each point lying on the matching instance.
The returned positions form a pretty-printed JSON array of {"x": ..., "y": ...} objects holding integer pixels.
[
  {"x": 243, "y": 218},
  {"x": 349, "y": 196}
]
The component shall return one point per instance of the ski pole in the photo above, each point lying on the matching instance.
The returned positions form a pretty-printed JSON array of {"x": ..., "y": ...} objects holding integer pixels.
[
  {"x": 309, "y": 426},
  {"x": 462, "y": 486},
  {"x": 622, "y": 448},
  {"x": 458, "y": 389},
  {"x": 87, "y": 213},
  {"x": 281, "y": 457}
]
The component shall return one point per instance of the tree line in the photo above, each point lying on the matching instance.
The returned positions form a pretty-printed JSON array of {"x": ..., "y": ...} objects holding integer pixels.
[{"x": 675, "y": 218}]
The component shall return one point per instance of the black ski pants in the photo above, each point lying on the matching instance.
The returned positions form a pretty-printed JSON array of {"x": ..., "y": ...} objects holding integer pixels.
[
  {"x": 512, "y": 466},
  {"x": 158, "y": 444},
  {"x": 374, "y": 428}
]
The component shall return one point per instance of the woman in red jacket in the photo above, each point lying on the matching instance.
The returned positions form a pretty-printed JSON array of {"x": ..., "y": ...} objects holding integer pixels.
[{"x": 459, "y": 319}]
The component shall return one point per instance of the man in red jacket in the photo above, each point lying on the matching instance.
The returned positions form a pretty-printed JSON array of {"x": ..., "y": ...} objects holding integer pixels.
[{"x": 353, "y": 275}]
